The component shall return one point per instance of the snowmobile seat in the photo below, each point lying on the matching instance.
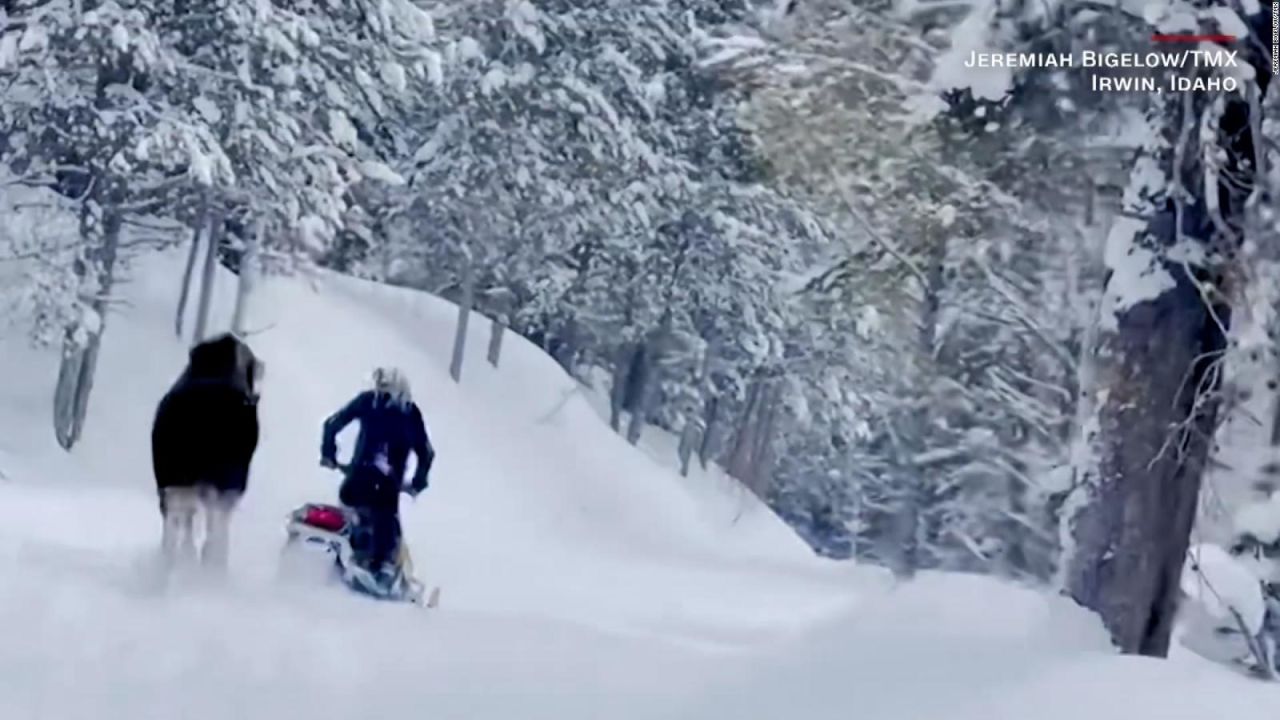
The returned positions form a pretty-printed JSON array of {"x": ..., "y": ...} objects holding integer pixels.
[{"x": 325, "y": 517}]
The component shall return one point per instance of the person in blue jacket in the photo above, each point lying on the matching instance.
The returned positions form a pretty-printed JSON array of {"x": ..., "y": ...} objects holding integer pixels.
[{"x": 391, "y": 427}]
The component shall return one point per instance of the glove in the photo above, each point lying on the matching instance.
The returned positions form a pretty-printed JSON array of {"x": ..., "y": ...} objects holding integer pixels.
[{"x": 418, "y": 485}]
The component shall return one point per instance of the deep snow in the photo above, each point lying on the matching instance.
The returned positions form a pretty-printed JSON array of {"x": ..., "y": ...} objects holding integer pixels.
[{"x": 581, "y": 578}]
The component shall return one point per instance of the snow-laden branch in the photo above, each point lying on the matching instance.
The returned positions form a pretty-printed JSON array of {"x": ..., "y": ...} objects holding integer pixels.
[
  {"x": 888, "y": 245},
  {"x": 1019, "y": 308}
]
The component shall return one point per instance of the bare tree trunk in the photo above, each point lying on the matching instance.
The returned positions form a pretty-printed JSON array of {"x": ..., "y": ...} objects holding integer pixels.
[
  {"x": 693, "y": 434},
  {"x": 496, "y": 328},
  {"x": 762, "y": 450},
  {"x": 247, "y": 278},
  {"x": 187, "y": 275},
  {"x": 710, "y": 422},
  {"x": 83, "y": 339},
  {"x": 899, "y": 547},
  {"x": 646, "y": 383},
  {"x": 464, "y": 314},
  {"x": 854, "y": 506},
  {"x": 1131, "y": 531},
  {"x": 688, "y": 438},
  {"x": 569, "y": 345},
  {"x": 209, "y": 276},
  {"x": 503, "y": 304},
  {"x": 618, "y": 388},
  {"x": 914, "y": 498},
  {"x": 1157, "y": 361},
  {"x": 642, "y": 396},
  {"x": 738, "y": 464}
]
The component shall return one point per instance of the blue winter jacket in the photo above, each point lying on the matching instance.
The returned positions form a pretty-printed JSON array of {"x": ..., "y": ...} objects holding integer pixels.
[{"x": 393, "y": 429}]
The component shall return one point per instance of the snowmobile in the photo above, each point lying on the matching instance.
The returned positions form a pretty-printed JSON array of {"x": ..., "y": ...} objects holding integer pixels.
[{"x": 328, "y": 530}]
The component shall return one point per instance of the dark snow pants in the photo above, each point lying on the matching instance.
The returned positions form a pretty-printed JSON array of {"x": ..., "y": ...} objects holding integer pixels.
[{"x": 376, "y": 499}]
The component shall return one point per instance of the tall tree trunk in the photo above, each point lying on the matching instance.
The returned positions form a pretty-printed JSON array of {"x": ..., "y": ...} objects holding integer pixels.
[
  {"x": 647, "y": 380},
  {"x": 496, "y": 329},
  {"x": 710, "y": 424},
  {"x": 629, "y": 382},
  {"x": 187, "y": 275},
  {"x": 911, "y": 527},
  {"x": 246, "y": 279},
  {"x": 208, "y": 277},
  {"x": 642, "y": 392},
  {"x": 693, "y": 436},
  {"x": 1130, "y": 529},
  {"x": 1162, "y": 333},
  {"x": 568, "y": 345},
  {"x": 899, "y": 547},
  {"x": 83, "y": 339},
  {"x": 618, "y": 386},
  {"x": 503, "y": 304},
  {"x": 693, "y": 432},
  {"x": 464, "y": 314},
  {"x": 688, "y": 438},
  {"x": 739, "y": 462},
  {"x": 762, "y": 444}
]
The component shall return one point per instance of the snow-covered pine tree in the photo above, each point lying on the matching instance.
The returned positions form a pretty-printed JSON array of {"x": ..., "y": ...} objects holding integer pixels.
[
  {"x": 136, "y": 110},
  {"x": 77, "y": 103},
  {"x": 619, "y": 219},
  {"x": 529, "y": 153},
  {"x": 954, "y": 254},
  {"x": 257, "y": 72}
]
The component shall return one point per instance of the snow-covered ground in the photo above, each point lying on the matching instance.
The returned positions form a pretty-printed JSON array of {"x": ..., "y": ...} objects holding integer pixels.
[{"x": 581, "y": 578}]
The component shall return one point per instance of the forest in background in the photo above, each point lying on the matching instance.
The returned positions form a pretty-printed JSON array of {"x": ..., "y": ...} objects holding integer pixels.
[{"x": 937, "y": 318}]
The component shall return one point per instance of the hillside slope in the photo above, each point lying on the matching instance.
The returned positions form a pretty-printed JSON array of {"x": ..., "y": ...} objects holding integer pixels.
[
  {"x": 581, "y": 579},
  {"x": 526, "y": 477}
]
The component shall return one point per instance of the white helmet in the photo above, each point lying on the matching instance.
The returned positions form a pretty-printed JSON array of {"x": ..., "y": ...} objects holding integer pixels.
[{"x": 391, "y": 382}]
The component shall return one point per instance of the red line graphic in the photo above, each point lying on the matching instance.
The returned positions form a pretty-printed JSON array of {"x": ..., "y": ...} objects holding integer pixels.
[{"x": 1194, "y": 38}]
